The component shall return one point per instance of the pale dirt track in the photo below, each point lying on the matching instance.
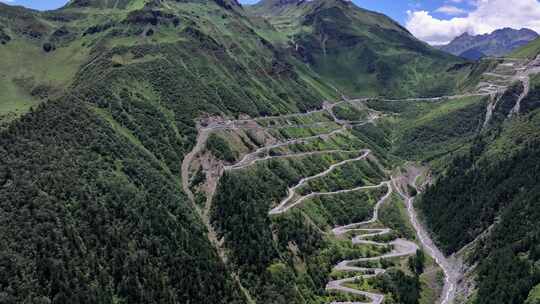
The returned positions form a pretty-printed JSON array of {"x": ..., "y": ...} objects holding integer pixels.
[{"x": 400, "y": 248}]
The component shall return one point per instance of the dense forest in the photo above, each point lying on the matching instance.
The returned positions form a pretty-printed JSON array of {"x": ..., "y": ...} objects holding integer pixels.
[
  {"x": 92, "y": 207},
  {"x": 289, "y": 253},
  {"x": 88, "y": 218},
  {"x": 100, "y": 102},
  {"x": 494, "y": 183},
  {"x": 241, "y": 216}
]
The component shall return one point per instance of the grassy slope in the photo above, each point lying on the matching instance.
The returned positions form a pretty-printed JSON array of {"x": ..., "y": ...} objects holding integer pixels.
[
  {"x": 30, "y": 74},
  {"x": 534, "y": 295},
  {"x": 27, "y": 71},
  {"x": 531, "y": 50},
  {"x": 362, "y": 52},
  {"x": 431, "y": 131},
  {"x": 26, "y": 80}
]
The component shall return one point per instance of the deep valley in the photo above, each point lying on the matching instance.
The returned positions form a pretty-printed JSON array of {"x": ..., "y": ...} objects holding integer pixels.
[{"x": 193, "y": 151}]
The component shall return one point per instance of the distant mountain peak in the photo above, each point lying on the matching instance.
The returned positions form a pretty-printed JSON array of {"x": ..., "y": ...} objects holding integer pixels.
[
  {"x": 463, "y": 37},
  {"x": 498, "y": 43}
]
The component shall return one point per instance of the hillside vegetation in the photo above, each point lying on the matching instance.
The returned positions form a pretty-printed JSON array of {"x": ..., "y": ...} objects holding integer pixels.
[
  {"x": 361, "y": 52},
  {"x": 530, "y": 50},
  {"x": 92, "y": 205},
  {"x": 145, "y": 143},
  {"x": 486, "y": 199}
]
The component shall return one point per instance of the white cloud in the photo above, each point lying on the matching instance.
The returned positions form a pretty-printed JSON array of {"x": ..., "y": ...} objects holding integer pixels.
[
  {"x": 8, "y": 1},
  {"x": 451, "y": 10},
  {"x": 487, "y": 16}
]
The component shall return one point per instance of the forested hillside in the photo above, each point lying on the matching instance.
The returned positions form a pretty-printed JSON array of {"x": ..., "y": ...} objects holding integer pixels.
[
  {"x": 93, "y": 209},
  {"x": 496, "y": 183},
  {"x": 165, "y": 151},
  {"x": 89, "y": 217},
  {"x": 487, "y": 199}
]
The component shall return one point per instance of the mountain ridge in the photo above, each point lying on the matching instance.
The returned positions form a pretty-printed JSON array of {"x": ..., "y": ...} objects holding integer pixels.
[
  {"x": 123, "y": 88},
  {"x": 497, "y": 43},
  {"x": 326, "y": 34},
  {"x": 144, "y": 144}
]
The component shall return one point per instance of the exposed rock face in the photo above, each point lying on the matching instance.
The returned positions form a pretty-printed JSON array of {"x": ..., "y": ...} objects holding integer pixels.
[{"x": 498, "y": 43}]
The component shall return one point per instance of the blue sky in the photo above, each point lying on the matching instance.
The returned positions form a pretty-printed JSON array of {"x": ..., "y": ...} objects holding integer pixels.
[
  {"x": 434, "y": 21},
  {"x": 397, "y": 9},
  {"x": 37, "y": 4}
]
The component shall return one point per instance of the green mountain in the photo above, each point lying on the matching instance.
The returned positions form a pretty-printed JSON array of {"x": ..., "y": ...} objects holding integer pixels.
[
  {"x": 483, "y": 205},
  {"x": 93, "y": 208},
  {"x": 163, "y": 151},
  {"x": 363, "y": 53}
]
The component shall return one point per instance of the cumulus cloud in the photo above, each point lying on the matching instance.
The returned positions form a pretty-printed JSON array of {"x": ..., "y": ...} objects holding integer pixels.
[
  {"x": 487, "y": 16},
  {"x": 451, "y": 10}
]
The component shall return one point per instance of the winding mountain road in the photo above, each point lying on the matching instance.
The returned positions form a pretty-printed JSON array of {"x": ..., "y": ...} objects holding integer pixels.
[
  {"x": 400, "y": 247},
  {"x": 286, "y": 204},
  {"x": 253, "y": 157},
  {"x": 439, "y": 98},
  {"x": 512, "y": 72},
  {"x": 254, "y": 160}
]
